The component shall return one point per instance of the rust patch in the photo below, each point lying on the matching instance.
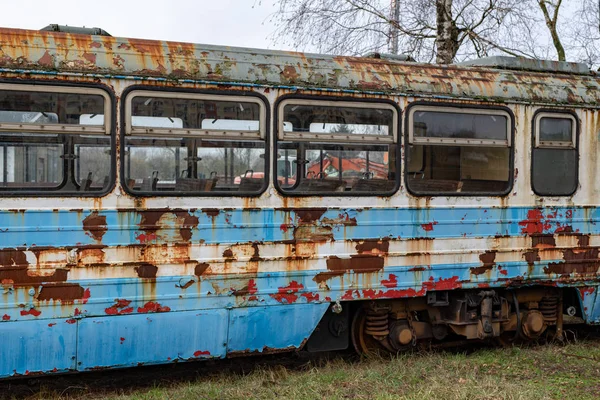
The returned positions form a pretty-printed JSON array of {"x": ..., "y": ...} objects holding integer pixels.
[
  {"x": 200, "y": 269},
  {"x": 146, "y": 271},
  {"x": 488, "y": 259},
  {"x": 358, "y": 263},
  {"x": 95, "y": 225},
  {"x": 373, "y": 246},
  {"x": 584, "y": 262},
  {"x": 289, "y": 74},
  {"x": 543, "y": 241},
  {"x": 66, "y": 293},
  {"x": 46, "y": 60},
  {"x": 583, "y": 240},
  {"x": 20, "y": 276},
  {"x": 211, "y": 212},
  {"x": 531, "y": 257},
  {"x": 249, "y": 289},
  {"x": 12, "y": 257},
  {"x": 256, "y": 254},
  {"x": 325, "y": 276},
  {"x": 150, "y": 223},
  {"x": 228, "y": 253},
  {"x": 313, "y": 233},
  {"x": 308, "y": 215}
]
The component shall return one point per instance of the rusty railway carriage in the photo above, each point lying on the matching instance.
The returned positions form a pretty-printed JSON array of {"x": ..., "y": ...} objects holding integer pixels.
[{"x": 163, "y": 202}]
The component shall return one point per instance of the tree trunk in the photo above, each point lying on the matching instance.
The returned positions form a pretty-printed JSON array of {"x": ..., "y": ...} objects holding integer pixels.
[{"x": 446, "y": 41}]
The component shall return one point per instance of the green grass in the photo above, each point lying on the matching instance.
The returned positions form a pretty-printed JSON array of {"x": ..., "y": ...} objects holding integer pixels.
[{"x": 541, "y": 372}]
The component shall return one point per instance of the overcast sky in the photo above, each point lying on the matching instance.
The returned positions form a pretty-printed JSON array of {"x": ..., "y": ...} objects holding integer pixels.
[{"x": 245, "y": 23}]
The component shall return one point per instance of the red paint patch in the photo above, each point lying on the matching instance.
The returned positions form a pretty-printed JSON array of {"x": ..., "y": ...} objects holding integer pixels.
[
  {"x": 152, "y": 307},
  {"x": 71, "y": 321},
  {"x": 283, "y": 228},
  {"x": 201, "y": 353},
  {"x": 391, "y": 282},
  {"x": 33, "y": 312},
  {"x": 288, "y": 293},
  {"x": 50, "y": 325},
  {"x": 310, "y": 297},
  {"x": 120, "y": 307},
  {"x": 442, "y": 284},
  {"x": 86, "y": 296},
  {"x": 5, "y": 317},
  {"x": 146, "y": 237},
  {"x": 502, "y": 270},
  {"x": 429, "y": 227},
  {"x": 535, "y": 223},
  {"x": 586, "y": 290},
  {"x": 122, "y": 340},
  {"x": 483, "y": 285},
  {"x": 77, "y": 312},
  {"x": 328, "y": 298}
]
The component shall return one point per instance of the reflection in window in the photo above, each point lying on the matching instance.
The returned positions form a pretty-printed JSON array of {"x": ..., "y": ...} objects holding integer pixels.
[
  {"x": 554, "y": 158},
  {"x": 336, "y": 149},
  {"x": 200, "y": 159},
  {"x": 46, "y": 146},
  {"x": 196, "y": 113},
  {"x": 458, "y": 152}
]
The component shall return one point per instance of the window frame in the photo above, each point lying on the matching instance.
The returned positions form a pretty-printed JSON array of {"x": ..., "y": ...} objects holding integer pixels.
[
  {"x": 107, "y": 129},
  {"x": 538, "y": 143},
  {"x": 535, "y": 144},
  {"x": 214, "y": 134},
  {"x": 464, "y": 109},
  {"x": 337, "y": 101}
]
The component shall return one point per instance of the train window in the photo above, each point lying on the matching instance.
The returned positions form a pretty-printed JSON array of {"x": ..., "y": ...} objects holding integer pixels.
[
  {"x": 50, "y": 141},
  {"x": 336, "y": 147},
  {"x": 454, "y": 151},
  {"x": 191, "y": 143},
  {"x": 554, "y": 156}
]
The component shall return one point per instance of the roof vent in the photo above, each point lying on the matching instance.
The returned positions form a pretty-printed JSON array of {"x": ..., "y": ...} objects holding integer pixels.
[
  {"x": 75, "y": 29},
  {"x": 529, "y": 64},
  {"x": 390, "y": 57}
]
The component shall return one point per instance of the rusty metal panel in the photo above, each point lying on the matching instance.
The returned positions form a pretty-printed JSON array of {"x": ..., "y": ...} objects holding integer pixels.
[
  {"x": 119, "y": 57},
  {"x": 36, "y": 347},
  {"x": 132, "y": 340}
]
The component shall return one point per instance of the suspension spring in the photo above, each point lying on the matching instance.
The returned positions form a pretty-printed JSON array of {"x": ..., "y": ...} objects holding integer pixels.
[
  {"x": 549, "y": 309},
  {"x": 377, "y": 323}
]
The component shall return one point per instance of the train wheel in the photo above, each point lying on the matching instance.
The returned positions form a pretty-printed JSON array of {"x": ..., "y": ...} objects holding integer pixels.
[{"x": 364, "y": 343}]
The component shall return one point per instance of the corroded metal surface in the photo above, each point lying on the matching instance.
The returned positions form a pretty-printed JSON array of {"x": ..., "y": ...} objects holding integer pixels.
[
  {"x": 88, "y": 283},
  {"x": 55, "y": 51}
]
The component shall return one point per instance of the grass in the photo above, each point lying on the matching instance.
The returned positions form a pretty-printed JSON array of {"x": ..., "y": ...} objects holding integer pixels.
[{"x": 541, "y": 372}]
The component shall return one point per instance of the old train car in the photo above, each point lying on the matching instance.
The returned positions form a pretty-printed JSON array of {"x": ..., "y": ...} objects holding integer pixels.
[{"x": 165, "y": 202}]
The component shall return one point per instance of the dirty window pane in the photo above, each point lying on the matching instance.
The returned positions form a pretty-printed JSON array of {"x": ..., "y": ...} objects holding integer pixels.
[
  {"x": 337, "y": 120},
  {"x": 34, "y": 162},
  {"x": 161, "y": 112},
  {"x": 92, "y": 165},
  {"x": 332, "y": 168},
  {"x": 441, "y": 169},
  {"x": 554, "y": 171},
  {"x": 556, "y": 130},
  {"x": 188, "y": 166},
  {"x": 447, "y": 125},
  {"x": 47, "y": 107}
]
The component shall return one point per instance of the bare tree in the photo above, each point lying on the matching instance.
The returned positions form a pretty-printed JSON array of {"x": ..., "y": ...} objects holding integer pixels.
[
  {"x": 428, "y": 30},
  {"x": 444, "y": 30}
]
